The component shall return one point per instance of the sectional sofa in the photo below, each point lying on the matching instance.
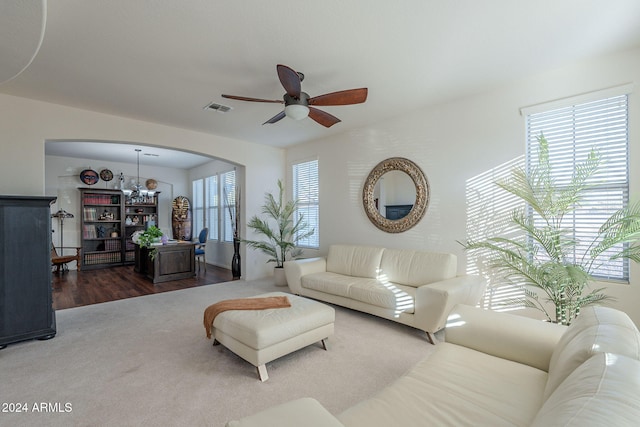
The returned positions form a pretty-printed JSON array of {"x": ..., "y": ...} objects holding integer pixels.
[
  {"x": 415, "y": 288},
  {"x": 499, "y": 369}
]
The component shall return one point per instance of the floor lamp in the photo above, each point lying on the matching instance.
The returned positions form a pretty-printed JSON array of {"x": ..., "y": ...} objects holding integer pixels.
[{"x": 61, "y": 215}]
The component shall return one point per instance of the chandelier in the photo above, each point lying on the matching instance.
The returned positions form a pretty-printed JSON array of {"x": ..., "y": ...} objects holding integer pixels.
[{"x": 138, "y": 194}]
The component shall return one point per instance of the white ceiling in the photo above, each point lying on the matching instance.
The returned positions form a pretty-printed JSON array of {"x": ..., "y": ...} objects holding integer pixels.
[
  {"x": 164, "y": 60},
  {"x": 125, "y": 153}
]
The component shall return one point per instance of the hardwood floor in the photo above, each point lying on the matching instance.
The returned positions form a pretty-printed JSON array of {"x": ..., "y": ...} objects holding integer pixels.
[{"x": 75, "y": 289}]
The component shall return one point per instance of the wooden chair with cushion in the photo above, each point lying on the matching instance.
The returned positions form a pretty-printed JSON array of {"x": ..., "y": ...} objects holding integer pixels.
[
  {"x": 200, "y": 247},
  {"x": 60, "y": 261}
]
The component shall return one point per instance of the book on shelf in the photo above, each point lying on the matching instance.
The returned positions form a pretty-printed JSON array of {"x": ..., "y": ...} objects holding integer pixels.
[
  {"x": 89, "y": 231},
  {"x": 100, "y": 199},
  {"x": 90, "y": 214},
  {"x": 112, "y": 245}
]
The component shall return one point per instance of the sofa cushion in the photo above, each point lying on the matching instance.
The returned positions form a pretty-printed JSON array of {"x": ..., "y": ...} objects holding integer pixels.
[
  {"x": 399, "y": 298},
  {"x": 305, "y": 412},
  {"x": 595, "y": 330},
  {"x": 358, "y": 261},
  {"x": 334, "y": 283},
  {"x": 501, "y": 335},
  {"x": 600, "y": 392},
  {"x": 455, "y": 386},
  {"x": 416, "y": 268}
]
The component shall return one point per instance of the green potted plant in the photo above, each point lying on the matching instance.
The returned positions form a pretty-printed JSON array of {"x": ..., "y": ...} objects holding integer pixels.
[
  {"x": 280, "y": 230},
  {"x": 543, "y": 263},
  {"x": 146, "y": 239}
]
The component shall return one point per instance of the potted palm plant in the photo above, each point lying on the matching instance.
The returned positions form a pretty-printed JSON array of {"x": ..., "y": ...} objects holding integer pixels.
[
  {"x": 281, "y": 231},
  {"x": 549, "y": 261}
]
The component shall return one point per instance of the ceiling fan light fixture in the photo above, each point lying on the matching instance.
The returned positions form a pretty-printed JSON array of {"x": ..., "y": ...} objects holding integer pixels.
[
  {"x": 296, "y": 111},
  {"x": 297, "y": 102}
]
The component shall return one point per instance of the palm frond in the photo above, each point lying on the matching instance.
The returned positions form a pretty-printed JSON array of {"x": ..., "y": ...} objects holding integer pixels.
[
  {"x": 570, "y": 196},
  {"x": 632, "y": 252},
  {"x": 554, "y": 241},
  {"x": 622, "y": 227}
]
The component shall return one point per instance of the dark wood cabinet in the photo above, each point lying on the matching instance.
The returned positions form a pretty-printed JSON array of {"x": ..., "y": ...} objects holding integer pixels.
[
  {"x": 174, "y": 261},
  {"x": 26, "y": 310}
]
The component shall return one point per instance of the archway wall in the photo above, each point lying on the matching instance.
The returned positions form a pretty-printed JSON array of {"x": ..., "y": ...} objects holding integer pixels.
[{"x": 26, "y": 124}]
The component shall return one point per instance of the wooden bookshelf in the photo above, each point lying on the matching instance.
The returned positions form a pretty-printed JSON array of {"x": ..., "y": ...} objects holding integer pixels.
[
  {"x": 109, "y": 219},
  {"x": 139, "y": 215},
  {"x": 101, "y": 227}
]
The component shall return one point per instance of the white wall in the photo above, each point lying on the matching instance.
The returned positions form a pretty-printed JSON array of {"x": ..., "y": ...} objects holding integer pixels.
[
  {"x": 26, "y": 124},
  {"x": 453, "y": 143}
]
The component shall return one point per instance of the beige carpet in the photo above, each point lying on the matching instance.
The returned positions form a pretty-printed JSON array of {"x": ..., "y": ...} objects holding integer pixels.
[{"x": 146, "y": 361}]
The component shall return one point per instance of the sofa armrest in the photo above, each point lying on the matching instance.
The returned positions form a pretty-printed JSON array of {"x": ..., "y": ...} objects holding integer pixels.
[
  {"x": 306, "y": 412},
  {"x": 294, "y": 270},
  {"x": 435, "y": 300},
  {"x": 508, "y": 336}
]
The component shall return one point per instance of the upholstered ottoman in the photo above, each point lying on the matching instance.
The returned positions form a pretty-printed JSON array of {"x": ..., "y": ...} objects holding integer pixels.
[{"x": 260, "y": 336}]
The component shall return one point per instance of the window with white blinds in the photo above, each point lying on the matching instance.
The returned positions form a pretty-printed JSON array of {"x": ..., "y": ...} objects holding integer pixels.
[
  {"x": 306, "y": 191},
  {"x": 213, "y": 207},
  {"x": 572, "y": 132},
  {"x": 198, "y": 204},
  {"x": 213, "y": 196}
]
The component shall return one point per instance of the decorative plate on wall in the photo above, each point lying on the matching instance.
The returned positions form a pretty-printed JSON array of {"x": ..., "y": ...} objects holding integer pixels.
[
  {"x": 151, "y": 184},
  {"x": 89, "y": 176},
  {"x": 106, "y": 175}
]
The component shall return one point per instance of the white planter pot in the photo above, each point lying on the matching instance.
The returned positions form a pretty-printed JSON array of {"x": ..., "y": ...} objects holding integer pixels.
[{"x": 279, "y": 278}]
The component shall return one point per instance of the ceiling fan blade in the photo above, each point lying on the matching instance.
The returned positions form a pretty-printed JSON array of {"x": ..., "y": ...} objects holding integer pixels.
[
  {"x": 290, "y": 80},
  {"x": 322, "y": 117},
  {"x": 343, "y": 97},
  {"x": 244, "y": 98},
  {"x": 275, "y": 118}
]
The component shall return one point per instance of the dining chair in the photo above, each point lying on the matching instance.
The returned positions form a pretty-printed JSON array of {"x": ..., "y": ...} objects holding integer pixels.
[{"x": 200, "y": 247}]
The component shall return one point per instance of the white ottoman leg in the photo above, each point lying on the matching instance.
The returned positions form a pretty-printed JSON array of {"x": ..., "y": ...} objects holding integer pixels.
[{"x": 262, "y": 373}]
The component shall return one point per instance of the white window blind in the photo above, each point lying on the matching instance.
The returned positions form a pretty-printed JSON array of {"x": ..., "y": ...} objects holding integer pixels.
[
  {"x": 198, "y": 204},
  {"x": 572, "y": 132},
  {"x": 306, "y": 191},
  {"x": 213, "y": 207}
]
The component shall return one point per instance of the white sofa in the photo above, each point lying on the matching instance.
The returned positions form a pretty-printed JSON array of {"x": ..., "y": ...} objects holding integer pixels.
[
  {"x": 410, "y": 287},
  {"x": 498, "y": 369}
]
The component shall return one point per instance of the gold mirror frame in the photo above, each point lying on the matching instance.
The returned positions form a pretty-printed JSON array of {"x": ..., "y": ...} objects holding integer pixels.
[{"x": 422, "y": 195}]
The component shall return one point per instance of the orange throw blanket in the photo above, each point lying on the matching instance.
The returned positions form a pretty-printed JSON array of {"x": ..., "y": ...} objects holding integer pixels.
[{"x": 213, "y": 310}]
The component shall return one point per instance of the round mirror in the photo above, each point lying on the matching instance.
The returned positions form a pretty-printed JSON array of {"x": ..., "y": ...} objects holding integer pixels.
[{"x": 395, "y": 195}]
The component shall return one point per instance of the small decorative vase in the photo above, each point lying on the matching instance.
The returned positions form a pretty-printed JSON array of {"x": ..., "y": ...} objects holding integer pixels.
[{"x": 235, "y": 261}]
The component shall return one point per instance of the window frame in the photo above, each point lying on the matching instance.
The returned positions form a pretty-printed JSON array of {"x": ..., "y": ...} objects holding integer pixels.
[
  {"x": 214, "y": 212},
  {"x": 573, "y": 127},
  {"x": 307, "y": 193},
  {"x": 227, "y": 186},
  {"x": 198, "y": 204}
]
